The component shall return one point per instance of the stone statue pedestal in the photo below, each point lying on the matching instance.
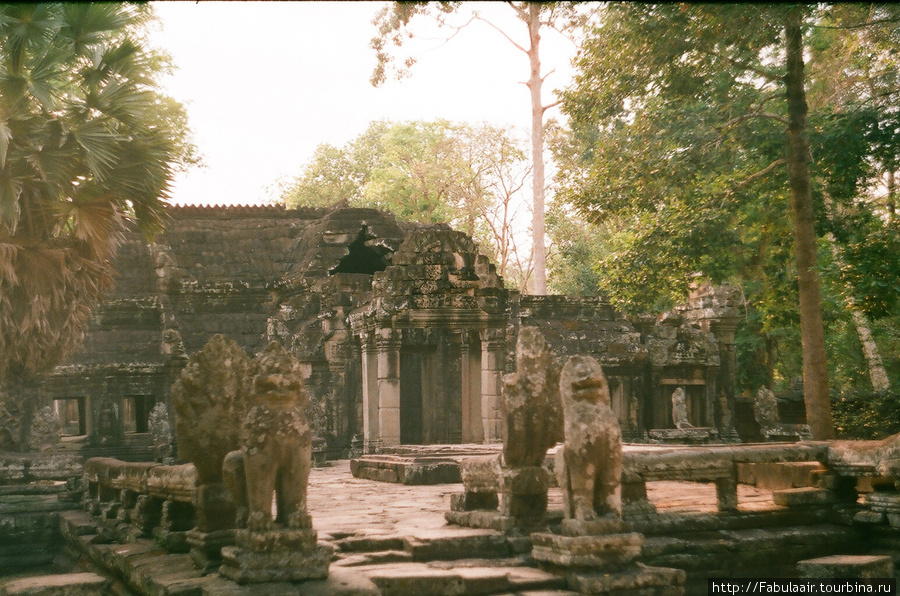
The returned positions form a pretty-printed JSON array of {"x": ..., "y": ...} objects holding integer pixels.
[
  {"x": 276, "y": 555},
  {"x": 500, "y": 498},
  {"x": 206, "y": 547},
  {"x": 215, "y": 516},
  {"x": 598, "y": 557}
]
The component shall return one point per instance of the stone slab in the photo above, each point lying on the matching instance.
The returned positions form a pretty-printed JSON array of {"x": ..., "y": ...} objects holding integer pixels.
[
  {"x": 68, "y": 584},
  {"x": 416, "y": 579},
  {"x": 600, "y": 552},
  {"x": 406, "y": 470},
  {"x": 245, "y": 566},
  {"x": 779, "y": 475},
  {"x": 340, "y": 582},
  {"x": 606, "y": 525},
  {"x": 639, "y": 579},
  {"x": 275, "y": 540},
  {"x": 799, "y": 497},
  {"x": 448, "y": 545},
  {"x": 883, "y": 502},
  {"x": 847, "y": 567},
  {"x": 402, "y": 581}
]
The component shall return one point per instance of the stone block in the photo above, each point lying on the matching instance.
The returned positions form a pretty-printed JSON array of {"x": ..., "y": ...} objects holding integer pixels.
[
  {"x": 481, "y": 519},
  {"x": 611, "y": 551},
  {"x": 883, "y": 502},
  {"x": 639, "y": 579},
  {"x": 206, "y": 547},
  {"x": 244, "y": 566},
  {"x": 447, "y": 545},
  {"x": 799, "y": 497},
  {"x": 848, "y": 567},
  {"x": 214, "y": 507},
  {"x": 67, "y": 584},
  {"x": 474, "y": 501},
  {"x": 481, "y": 474},
  {"x": 531, "y": 480},
  {"x": 415, "y": 582},
  {"x": 436, "y": 471},
  {"x": 869, "y": 517},
  {"x": 604, "y": 525},
  {"x": 523, "y": 506},
  {"x": 277, "y": 540}
]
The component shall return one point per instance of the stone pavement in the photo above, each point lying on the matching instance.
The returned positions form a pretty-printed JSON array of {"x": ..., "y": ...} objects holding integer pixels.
[
  {"x": 341, "y": 505},
  {"x": 390, "y": 539}
]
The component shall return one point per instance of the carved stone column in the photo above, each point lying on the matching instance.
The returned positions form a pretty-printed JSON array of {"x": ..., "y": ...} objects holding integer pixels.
[
  {"x": 369, "y": 393},
  {"x": 387, "y": 344},
  {"x": 470, "y": 367},
  {"x": 493, "y": 351},
  {"x": 724, "y": 330}
]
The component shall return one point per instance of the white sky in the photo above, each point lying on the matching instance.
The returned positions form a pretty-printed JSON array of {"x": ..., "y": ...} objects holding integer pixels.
[{"x": 265, "y": 83}]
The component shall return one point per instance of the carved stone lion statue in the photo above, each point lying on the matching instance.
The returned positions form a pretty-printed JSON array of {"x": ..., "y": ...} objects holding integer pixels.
[
  {"x": 276, "y": 446},
  {"x": 589, "y": 465}
]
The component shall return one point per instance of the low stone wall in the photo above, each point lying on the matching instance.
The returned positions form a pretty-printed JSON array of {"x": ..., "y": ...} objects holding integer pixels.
[
  {"x": 22, "y": 468},
  {"x": 32, "y": 493}
]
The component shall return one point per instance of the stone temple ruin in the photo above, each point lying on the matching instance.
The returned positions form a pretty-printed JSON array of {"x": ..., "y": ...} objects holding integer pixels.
[
  {"x": 272, "y": 340},
  {"x": 404, "y": 332}
]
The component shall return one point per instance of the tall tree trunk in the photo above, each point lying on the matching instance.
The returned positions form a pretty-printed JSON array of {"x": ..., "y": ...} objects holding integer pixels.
[
  {"x": 815, "y": 368},
  {"x": 535, "y": 82}
]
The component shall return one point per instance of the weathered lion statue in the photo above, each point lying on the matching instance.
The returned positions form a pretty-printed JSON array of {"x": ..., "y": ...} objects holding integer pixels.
[
  {"x": 589, "y": 465},
  {"x": 276, "y": 446}
]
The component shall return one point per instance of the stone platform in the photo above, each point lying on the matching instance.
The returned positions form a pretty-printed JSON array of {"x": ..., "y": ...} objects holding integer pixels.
[
  {"x": 387, "y": 532},
  {"x": 418, "y": 464}
]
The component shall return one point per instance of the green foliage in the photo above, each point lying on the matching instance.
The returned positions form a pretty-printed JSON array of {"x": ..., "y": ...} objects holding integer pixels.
[
  {"x": 676, "y": 152},
  {"x": 866, "y": 414},
  {"x": 86, "y": 142},
  {"x": 577, "y": 247},
  {"x": 430, "y": 172}
]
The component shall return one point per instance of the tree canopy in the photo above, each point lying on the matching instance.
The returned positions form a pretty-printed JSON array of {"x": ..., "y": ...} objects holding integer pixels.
[
  {"x": 432, "y": 172},
  {"x": 394, "y": 27},
  {"x": 677, "y": 148},
  {"x": 87, "y": 144}
]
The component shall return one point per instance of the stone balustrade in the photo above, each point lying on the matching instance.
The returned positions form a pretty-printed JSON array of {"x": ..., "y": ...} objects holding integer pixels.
[
  {"x": 143, "y": 499},
  {"x": 708, "y": 464}
]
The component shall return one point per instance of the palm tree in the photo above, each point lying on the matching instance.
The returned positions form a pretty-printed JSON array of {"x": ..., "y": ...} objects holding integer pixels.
[{"x": 87, "y": 144}]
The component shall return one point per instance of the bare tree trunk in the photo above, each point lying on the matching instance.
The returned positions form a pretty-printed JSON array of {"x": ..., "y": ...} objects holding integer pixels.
[
  {"x": 815, "y": 367},
  {"x": 535, "y": 82},
  {"x": 877, "y": 373}
]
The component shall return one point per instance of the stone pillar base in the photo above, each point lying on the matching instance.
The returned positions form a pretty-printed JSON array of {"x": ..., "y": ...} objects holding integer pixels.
[
  {"x": 279, "y": 555},
  {"x": 598, "y": 557},
  {"x": 500, "y": 498},
  {"x": 206, "y": 547}
]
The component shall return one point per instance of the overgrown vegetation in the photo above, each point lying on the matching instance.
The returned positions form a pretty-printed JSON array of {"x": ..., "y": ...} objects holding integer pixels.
[{"x": 860, "y": 414}]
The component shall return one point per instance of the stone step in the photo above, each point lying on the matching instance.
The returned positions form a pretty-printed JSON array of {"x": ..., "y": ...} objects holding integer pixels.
[
  {"x": 373, "y": 558},
  {"x": 847, "y": 566},
  {"x": 416, "y": 579},
  {"x": 68, "y": 584},
  {"x": 360, "y": 544},
  {"x": 450, "y": 544},
  {"x": 733, "y": 550},
  {"x": 406, "y": 470}
]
